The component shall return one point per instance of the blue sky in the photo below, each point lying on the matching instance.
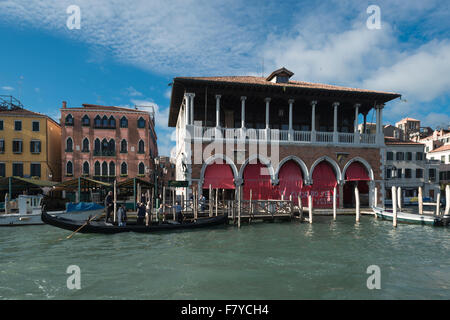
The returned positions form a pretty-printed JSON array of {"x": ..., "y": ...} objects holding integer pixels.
[{"x": 127, "y": 52}]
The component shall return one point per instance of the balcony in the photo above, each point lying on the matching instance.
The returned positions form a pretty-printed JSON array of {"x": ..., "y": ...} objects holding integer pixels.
[{"x": 283, "y": 136}]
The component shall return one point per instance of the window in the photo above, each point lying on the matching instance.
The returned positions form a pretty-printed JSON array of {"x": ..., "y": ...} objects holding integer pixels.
[
  {"x": 35, "y": 170},
  {"x": 419, "y": 156},
  {"x": 388, "y": 173},
  {"x": 112, "y": 146},
  {"x": 123, "y": 146},
  {"x": 399, "y": 173},
  {"x": 69, "y": 145},
  {"x": 17, "y": 146},
  {"x": 69, "y": 168},
  {"x": 141, "y": 169},
  {"x": 124, "y": 122},
  {"x": 390, "y": 155},
  {"x": 408, "y": 173},
  {"x": 69, "y": 120},
  {"x": 1, "y": 124},
  {"x": 2, "y": 170},
  {"x": 98, "y": 122},
  {"x": 18, "y": 125},
  {"x": 86, "y": 168},
  {"x": 2, "y": 146},
  {"x": 419, "y": 173},
  {"x": 432, "y": 174},
  {"x": 400, "y": 156},
  {"x": 35, "y": 146},
  {"x": 104, "y": 168},
  {"x": 86, "y": 121},
  {"x": 35, "y": 125},
  {"x": 112, "y": 122},
  {"x": 105, "y": 121},
  {"x": 85, "y": 145},
  {"x": 124, "y": 169},
  {"x": 97, "y": 145},
  {"x": 141, "y": 148},
  {"x": 112, "y": 169},
  {"x": 18, "y": 169},
  {"x": 141, "y": 123},
  {"x": 97, "y": 168},
  {"x": 442, "y": 159},
  {"x": 409, "y": 156}
]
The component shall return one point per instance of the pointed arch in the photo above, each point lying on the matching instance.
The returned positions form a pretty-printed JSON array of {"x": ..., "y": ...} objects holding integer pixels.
[
  {"x": 112, "y": 169},
  {"x": 86, "y": 121},
  {"x": 124, "y": 122},
  {"x": 97, "y": 170},
  {"x": 213, "y": 159},
  {"x": 86, "y": 168},
  {"x": 363, "y": 162},
  {"x": 69, "y": 168},
  {"x": 141, "y": 168},
  {"x": 141, "y": 146},
  {"x": 69, "y": 144},
  {"x": 253, "y": 159},
  {"x": 69, "y": 120},
  {"x": 123, "y": 146},
  {"x": 299, "y": 161},
  {"x": 124, "y": 168},
  {"x": 85, "y": 147},
  {"x": 333, "y": 163}
]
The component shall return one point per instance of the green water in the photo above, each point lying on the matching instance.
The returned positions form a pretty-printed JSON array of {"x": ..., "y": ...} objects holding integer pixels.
[{"x": 288, "y": 260}]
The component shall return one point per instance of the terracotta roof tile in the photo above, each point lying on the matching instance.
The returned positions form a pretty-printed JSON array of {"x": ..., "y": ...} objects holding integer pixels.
[
  {"x": 394, "y": 141},
  {"x": 445, "y": 147}
]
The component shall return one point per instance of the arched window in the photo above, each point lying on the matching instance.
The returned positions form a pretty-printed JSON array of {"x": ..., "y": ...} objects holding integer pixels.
[
  {"x": 104, "y": 168},
  {"x": 69, "y": 168},
  {"x": 112, "y": 169},
  {"x": 69, "y": 120},
  {"x": 105, "y": 146},
  {"x": 97, "y": 168},
  {"x": 123, "y": 146},
  {"x": 98, "y": 121},
  {"x": 112, "y": 122},
  {"x": 86, "y": 168},
  {"x": 124, "y": 122},
  {"x": 124, "y": 168},
  {"x": 97, "y": 147},
  {"x": 85, "y": 120},
  {"x": 85, "y": 145},
  {"x": 141, "y": 123},
  {"x": 141, "y": 147},
  {"x": 69, "y": 145},
  {"x": 141, "y": 168},
  {"x": 105, "y": 122},
  {"x": 112, "y": 146}
]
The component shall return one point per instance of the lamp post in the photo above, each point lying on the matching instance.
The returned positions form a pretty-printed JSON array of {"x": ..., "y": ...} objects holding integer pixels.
[{"x": 155, "y": 185}]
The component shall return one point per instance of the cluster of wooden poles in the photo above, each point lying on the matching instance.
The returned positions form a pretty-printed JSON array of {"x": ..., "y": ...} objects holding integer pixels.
[{"x": 397, "y": 202}]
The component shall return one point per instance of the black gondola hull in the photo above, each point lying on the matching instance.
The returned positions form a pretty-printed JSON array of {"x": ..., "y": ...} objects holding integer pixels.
[{"x": 102, "y": 228}]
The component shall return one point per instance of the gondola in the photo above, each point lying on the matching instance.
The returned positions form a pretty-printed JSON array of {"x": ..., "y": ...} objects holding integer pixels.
[{"x": 104, "y": 228}]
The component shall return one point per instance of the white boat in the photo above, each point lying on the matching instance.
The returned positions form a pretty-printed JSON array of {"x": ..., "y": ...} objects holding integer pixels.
[
  {"x": 30, "y": 210},
  {"x": 387, "y": 214}
]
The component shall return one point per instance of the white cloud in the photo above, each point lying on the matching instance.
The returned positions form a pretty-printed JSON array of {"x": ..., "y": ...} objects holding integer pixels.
[
  {"x": 7, "y": 88},
  {"x": 132, "y": 92}
]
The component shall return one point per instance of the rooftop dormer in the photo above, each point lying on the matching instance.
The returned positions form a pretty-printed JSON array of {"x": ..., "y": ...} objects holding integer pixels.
[{"x": 280, "y": 76}]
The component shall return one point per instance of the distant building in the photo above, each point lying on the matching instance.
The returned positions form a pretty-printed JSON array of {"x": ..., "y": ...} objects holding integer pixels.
[
  {"x": 442, "y": 156},
  {"x": 408, "y": 126},
  {"x": 406, "y": 166},
  {"x": 29, "y": 144},
  {"x": 107, "y": 143},
  {"x": 369, "y": 127},
  {"x": 391, "y": 131}
]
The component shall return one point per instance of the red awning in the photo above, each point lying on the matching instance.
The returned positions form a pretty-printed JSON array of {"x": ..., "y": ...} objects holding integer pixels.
[
  {"x": 257, "y": 179},
  {"x": 356, "y": 172},
  {"x": 219, "y": 176},
  {"x": 291, "y": 180},
  {"x": 324, "y": 180}
]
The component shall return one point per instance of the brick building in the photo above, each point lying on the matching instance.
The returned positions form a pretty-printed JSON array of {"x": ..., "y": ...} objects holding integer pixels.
[
  {"x": 277, "y": 137},
  {"x": 107, "y": 143}
]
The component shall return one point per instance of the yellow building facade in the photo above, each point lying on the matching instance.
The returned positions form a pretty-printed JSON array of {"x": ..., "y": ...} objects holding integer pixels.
[{"x": 30, "y": 145}]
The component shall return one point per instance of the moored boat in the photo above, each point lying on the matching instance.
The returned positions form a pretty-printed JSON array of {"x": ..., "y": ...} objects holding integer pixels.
[
  {"x": 29, "y": 212},
  {"x": 107, "y": 228},
  {"x": 405, "y": 217}
]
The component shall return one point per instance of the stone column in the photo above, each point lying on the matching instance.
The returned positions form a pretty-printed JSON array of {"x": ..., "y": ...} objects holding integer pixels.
[
  {"x": 335, "y": 132},
  {"x": 243, "y": 111},
  {"x": 191, "y": 107},
  {"x": 186, "y": 108},
  {"x": 379, "y": 128},
  {"x": 218, "y": 96},
  {"x": 267, "y": 100},
  {"x": 341, "y": 195},
  {"x": 356, "y": 139},
  {"x": 313, "y": 121},
  {"x": 291, "y": 130}
]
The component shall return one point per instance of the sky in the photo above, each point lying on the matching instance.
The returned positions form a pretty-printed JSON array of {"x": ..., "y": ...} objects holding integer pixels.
[{"x": 126, "y": 53}]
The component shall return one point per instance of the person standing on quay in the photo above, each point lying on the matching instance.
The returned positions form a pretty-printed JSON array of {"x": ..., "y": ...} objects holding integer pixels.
[
  {"x": 109, "y": 205},
  {"x": 140, "y": 214}
]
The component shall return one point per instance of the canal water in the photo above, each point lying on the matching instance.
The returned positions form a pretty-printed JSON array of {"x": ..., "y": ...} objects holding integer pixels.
[{"x": 286, "y": 260}]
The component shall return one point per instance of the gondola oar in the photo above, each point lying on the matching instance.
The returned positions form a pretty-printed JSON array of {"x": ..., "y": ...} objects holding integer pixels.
[{"x": 86, "y": 223}]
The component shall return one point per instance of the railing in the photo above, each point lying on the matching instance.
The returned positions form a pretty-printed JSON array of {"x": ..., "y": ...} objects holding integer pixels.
[
  {"x": 209, "y": 133},
  {"x": 324, "y": 136}
]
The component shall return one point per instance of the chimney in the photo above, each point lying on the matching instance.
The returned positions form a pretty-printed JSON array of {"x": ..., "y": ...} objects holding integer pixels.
[{"x": 64, "y": 105}]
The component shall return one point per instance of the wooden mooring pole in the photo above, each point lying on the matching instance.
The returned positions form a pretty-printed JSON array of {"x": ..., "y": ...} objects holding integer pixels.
[
  {"x": 217, "y": 201},
  {"x": 210, "y": 202},
  {"x": 420, "y": 200},
  {"x": 239, "y": 206},
  {"x": 251, "y": 207},
  {"x": 357, "y": 202},
  {"x": 195, "y": 205},
  {"x": 310, "y": 207},
  {"x": 438, "y": 203},
  {"x": 375, "y": 197},
  {"x": 399, "y": 198},
  {"x": 115, "y": 200},
  {"x": 394, "y": 206},
  {"x": 300, "y": 207},
  {"x": 334, "y": 204},
  {"x": 447, "y": 200}
]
